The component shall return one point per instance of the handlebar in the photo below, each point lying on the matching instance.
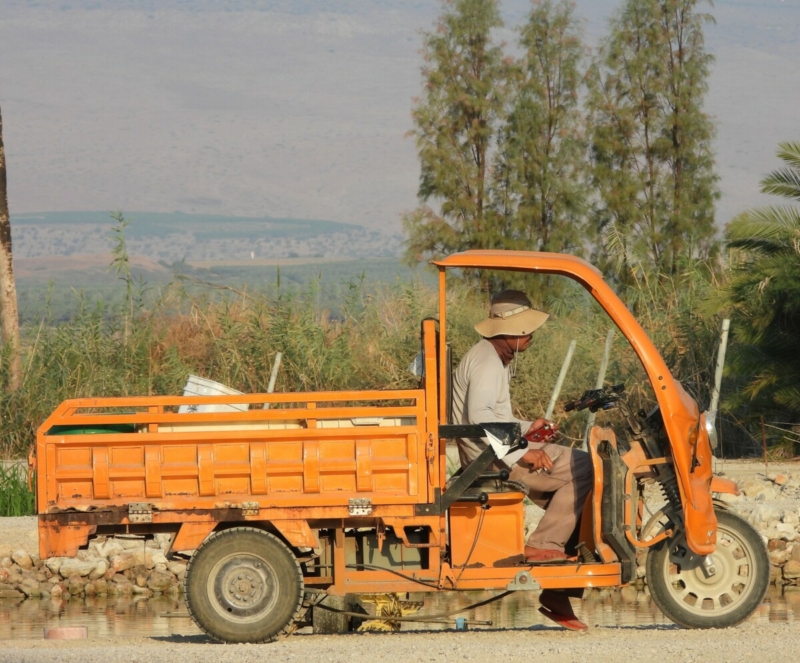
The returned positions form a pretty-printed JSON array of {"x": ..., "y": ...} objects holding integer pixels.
[{"x": 595, "y": 399}]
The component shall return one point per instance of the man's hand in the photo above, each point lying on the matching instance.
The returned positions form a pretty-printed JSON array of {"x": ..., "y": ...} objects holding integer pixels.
[{"x": 536, "y": 459}]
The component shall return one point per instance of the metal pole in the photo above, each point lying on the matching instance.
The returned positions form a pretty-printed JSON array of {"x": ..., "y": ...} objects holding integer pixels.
[
  {"x": 273, "y": 376},
  {"x": 560, "y": 381},
  {"x": 723, "y": 346},
  {"x": 715, "y": 390},
  {"x": 601, "y": 377}
]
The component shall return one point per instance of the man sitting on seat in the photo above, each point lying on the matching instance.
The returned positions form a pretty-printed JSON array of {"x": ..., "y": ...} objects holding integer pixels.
[{"x": 558, "y": 478}]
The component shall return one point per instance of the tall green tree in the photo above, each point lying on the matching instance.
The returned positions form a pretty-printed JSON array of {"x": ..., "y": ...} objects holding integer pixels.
[
  {"x": 539, "y": 188},
  {"x": 651, "y": 139},
  {"x": 454, "y": 125},
  {"x": 763, "y": 295}
]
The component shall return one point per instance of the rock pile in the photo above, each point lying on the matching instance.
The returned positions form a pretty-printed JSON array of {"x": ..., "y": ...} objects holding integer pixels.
[
  {"x": 772, "y": 506},
  {"x": 108, "y": 567}
]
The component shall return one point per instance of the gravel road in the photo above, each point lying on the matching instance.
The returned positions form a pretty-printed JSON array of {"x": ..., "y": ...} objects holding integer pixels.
[{"x": 655, "y": 644}]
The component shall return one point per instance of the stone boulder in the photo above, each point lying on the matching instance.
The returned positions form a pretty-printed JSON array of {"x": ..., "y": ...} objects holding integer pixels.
[
  {"x": 791, "y": 570},
  {"x": 99, "y": 570},
  {"x": 764, "y": 515},
  {"x": 53, "y": 564},
  {"x": 178, "y": 569},
  {"x": 759, "y": 490},
  {"x": 76, "y": 584},
  {"x": 130, "y": 558},
  {"x": 139, "y": 575},
  {"x": 787, "y": 531},
  {"x": 120, "y": 579},
  {"x": 22, "y": 559},
  {"x": 779, "y": 557},
  {"x": 110, "y": 548},
  {"x": 74, "y": 566},
  {"x": 160, "y": 582},
  {"x": 101, "y": 586},
  {"x": 158, "y": 557}
]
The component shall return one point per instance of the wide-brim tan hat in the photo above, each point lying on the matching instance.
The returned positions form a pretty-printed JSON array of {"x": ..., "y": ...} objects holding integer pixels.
[{"x": 511, "y": 314}]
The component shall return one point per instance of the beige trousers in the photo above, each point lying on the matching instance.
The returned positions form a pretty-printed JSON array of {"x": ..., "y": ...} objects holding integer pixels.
[{"x": 560, "y": 492}]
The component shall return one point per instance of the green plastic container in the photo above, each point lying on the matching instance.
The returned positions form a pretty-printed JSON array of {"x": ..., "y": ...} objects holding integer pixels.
[{"x": 105, "y": 429}]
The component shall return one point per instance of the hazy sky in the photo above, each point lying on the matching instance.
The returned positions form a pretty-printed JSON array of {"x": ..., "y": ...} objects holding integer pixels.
[{"x": 298, "y": 108}]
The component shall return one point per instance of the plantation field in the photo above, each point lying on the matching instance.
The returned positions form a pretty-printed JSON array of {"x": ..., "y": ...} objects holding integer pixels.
[
  {"x": 163, "y": 224},
  {"x": 58, "y": 286},
  {"x": 62, "y": 259}
]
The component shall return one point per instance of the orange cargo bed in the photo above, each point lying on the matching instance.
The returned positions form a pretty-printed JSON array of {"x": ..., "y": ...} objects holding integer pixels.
[{"x": 96, "y": 453}]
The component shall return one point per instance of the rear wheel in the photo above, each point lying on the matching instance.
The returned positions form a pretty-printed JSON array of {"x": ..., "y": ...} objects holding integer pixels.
[
  {"x": 716, "y": 591},
  {"x": 243, "y": 585}
]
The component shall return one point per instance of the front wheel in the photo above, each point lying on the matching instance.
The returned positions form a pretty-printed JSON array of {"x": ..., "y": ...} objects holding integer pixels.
[
  {"x": 243, "y": 585},
  {"x": 716, "y": 591}
]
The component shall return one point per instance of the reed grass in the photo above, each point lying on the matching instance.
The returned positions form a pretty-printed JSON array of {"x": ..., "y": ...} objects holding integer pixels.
[
  {"x": 16, "y": 499},
  {"x": 149, "y": 345}
]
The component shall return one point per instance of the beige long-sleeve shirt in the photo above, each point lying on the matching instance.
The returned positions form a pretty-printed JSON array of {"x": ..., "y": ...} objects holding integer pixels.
[{"x": 481, "y": 395}]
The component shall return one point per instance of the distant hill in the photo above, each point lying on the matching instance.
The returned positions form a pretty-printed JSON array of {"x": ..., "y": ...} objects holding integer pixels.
[{"x": 167, "y": 238}]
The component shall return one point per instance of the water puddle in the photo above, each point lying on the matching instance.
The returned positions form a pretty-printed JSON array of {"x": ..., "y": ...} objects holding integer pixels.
[
  {"x": 625, "y": 607},
  {"x": 105, "y": 618},
  {"x": 163, "y": 617}
]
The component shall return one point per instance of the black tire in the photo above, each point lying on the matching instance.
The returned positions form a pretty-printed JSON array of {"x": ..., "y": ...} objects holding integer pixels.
[
  {"x": 243, "y": 585},
  {"x": 689, "y": 596}
]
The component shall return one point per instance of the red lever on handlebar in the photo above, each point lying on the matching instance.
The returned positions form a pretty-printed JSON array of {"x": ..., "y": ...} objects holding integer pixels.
[{"x": 542, "y": 433}]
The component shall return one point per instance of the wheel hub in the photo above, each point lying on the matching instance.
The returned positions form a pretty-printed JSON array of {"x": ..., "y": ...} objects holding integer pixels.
[
  {"x": 243, "y": 586},
  {"x": 720, "y": 591}
]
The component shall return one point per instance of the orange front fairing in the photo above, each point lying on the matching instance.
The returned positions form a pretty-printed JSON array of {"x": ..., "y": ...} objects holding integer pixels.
[{"x": 680, "y": 413}]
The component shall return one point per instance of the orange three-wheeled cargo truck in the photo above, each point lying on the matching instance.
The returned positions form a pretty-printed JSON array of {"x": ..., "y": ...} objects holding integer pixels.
[{"x": 289, "y": 496}]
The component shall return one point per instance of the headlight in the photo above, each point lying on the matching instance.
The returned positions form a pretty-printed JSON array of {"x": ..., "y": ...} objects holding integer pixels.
[{"x": 711, "y": 429}]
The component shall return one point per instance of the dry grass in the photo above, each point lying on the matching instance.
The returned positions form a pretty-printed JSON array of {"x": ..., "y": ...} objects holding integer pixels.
[{"x": 152, "y": 349}]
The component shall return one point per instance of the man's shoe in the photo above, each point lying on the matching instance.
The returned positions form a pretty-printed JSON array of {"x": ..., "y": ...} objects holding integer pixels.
[
  {"x": 556, "y": 606},
  {"x": 569, "y": 622},
  {"x": 543, "y": 555}
]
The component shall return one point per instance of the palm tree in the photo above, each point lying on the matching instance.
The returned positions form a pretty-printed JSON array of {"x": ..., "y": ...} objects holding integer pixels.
[{"x": 763, "y": 295}]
